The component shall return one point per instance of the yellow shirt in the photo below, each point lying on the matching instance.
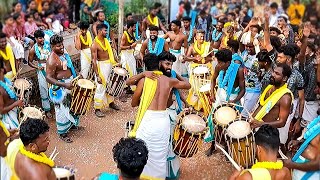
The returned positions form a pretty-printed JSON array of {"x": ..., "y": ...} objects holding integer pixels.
[{"x": 294, "y": 19}]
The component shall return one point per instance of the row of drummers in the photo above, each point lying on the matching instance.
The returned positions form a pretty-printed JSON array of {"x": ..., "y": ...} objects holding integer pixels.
[{"x": 230, "y": 129}]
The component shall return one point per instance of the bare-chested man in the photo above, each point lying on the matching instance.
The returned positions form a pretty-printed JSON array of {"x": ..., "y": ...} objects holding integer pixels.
[
  {"x": 151, "y": 20},
  {"x": 217, "y": 35},
  {"x": 275, "y": 102},
  {"x": 155, "y": 44},
  {"x": 103, "y": 61},
  {"x": 268, "y": 166},
  {"x": 177, "y": 40},
  {"x": 188, "y": 30},
  {"x": 40, "y": 53},
  {"x": 31, "y": 162},
  {"x": 6, "y": 53},
  {"x": 83, "y": 42},
  {"x": 101, "y": 19},
  {"x": 152, "y": 113},
  {"x": 305, "y": 163},
  {"x": 60, "y": 72}
]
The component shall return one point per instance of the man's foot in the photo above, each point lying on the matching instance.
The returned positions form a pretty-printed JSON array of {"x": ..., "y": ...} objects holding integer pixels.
[
  {"x": 76, "y": 128},
  {"x": 114, "y": 106},
  {"x": 49, "y": 115},
  {"x": 99, "y": 113},
  {"x": 210, "y": 151},
  {"x": 64, "y": 137}
]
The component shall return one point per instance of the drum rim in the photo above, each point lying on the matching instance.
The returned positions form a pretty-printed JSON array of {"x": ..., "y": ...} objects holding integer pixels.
[
  {"x": 92, "y": 83},
  {"x": 32, "y": 106},
  {"x": 72, "y": 171},
  {"x": 222, "y": 105},
  {"x": 238, "y": 139},
  {"x": 26, "y": 79},
  {"x": 115, "y": 71},
  {"x": 187, "y": 130}
]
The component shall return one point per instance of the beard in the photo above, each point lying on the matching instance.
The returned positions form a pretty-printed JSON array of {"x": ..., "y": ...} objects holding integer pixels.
[
  {"x": 153, "y": 37},
  {"x": 166, "y": 72},
  {"x": 274, "y": 82}
]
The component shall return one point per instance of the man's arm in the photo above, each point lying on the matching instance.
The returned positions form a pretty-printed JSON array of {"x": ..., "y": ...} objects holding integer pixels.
[
  {"x": 306, "y": 32},
  {"x": 162, "y": 26},
  {"x": 94, "y": 57},
  {"x": 214, "y": 81},
  {"x": 312, "y": 165},
  {"x": 241, "y": 86},
  {"x": 144, "y": 28},
  {"x": 6, "y": 109},
  {"x": 135, "y": 79},
  {"x": 143, "y": 49},
  {"x": 123, "y": 42},
  {"x": 31, "y": 58},
  {"x": 35, "y": 172},
  {"x": 185, "y": 44},
  {"x": 77, "y": 41},
  {"x": 166, "y": 46},
  {"x": 175, "y": 83},
  {"x": 267, "y": 41},
  {"x": 189, "y": 53},
  {"x": 94, "y": 29},
  {"x": 137, "y": 94},
  {"x": 301, "y": 102}
]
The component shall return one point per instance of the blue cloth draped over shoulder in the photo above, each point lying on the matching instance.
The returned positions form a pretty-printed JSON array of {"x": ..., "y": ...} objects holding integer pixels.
[
  {"x": 313, "y": 130},
  {"x": 107, "y": 176},
  {"x": 108, "y": 30},
  {"x": 67, "y": 58},
  {"x": 137, "y": 32},
  {"x": 237, "y": 57},
  {"x": 158, "y": 47},
  {"x": 193, "y": 15},
  {"x": 176, "y": 93},
  {"x": 228, "y": 78}
]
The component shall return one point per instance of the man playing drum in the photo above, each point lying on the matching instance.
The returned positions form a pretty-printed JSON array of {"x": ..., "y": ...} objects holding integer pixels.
[
  {"x": 60, "y": 72},
  {"x": 177, "y": 39},
  {"x": 31, "y": 162},
  {"x": 7, "y": 56},
  {"x": 152, "y": 113},
  {"x": 128, "y": 43},
  {"x": 40, "y": 52},
  {"x": 231, "y": 85},
  {"x": 268, "y": 167},
  {"x": 151, "y": 20},
  {"x": 83, "y": 42},
  {"x": 275, "y": 103},
  {"x": 199, "y": 53},
  {"x": 103, "y": 60},
  {"x": 305, "y": 163},
  {"x": 155, "y": 44}
]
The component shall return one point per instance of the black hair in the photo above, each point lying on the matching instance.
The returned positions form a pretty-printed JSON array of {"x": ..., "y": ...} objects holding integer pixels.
[
  {"x": 157, "y": 5},
  {"x": 131, "y": 155},
  {"x": 201, "y": 31},
  {"x": 43, "y": 2},
  {"x": 153, "y": 28},
  {"x": 221, "y": 21},
  {"x": 285, "y": 18},
  {"x": 186, "y": 18},
  {"x": 202, "y": 12},
  {"x": 84, "y": 25},
  {"x": 2, "y": 35},
  {"x": 7, "y": 16},
  {"x": 263, "y": 56},
  {"x": 181, "y": 2},
  {"x": 275, "y": 29},
  {"x": 152, "y": 8},
  {"x": 234, "y": 44},
  {"x": 257, "y": 26},
  {"x": 290, "y": 50},
  {"x": 101, "y": 26},
  {"x": 151, "y": 62},
  {"x": 128, "y": 14},
  {"x": 16, "y": 16},
  {"x": 232, "y": 14},
  {"x": 39, "y": 33},
  {"x": 56, "y": 39},
  {"x": 275, "y": 42},
  {"x": 131, "y": 23},
  {"x": 97, "y": 13},
  {"x": 29, "y": 2},
  {"x": 49, "y": 12},
  {"x": 15, "y": 3},
  {"x": 224, "y": 55},
  {"x": 312, "y": 46},
  {"x": 274, "y": 5},
  {"x": 286, "y": 70},
  {"x": 176, "y": 22},
  {"x": 31, "y": 129},
  {"x": 268, "y": 137},
  {"x": 165, "y": 55},
  {"x": 28, "y": 15}
]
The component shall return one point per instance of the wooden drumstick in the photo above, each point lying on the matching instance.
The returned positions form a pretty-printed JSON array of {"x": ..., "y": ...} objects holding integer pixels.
[
  {"x": 282, "y": 155},
  {"x": 229, "y": 157},
  {"x": 15, "y": 76},
  {"x": 55, "y": 149}
]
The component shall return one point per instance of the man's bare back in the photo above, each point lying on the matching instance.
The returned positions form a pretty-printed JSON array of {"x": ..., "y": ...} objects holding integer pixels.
[{"x": 27, "y": 169}]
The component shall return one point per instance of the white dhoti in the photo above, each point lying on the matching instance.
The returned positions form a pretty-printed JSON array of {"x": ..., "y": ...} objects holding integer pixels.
[
  {"x": 85, "y": 60},
  {"x": 128, "y": 61},
  {"x": 154, "y": 130},
  {"x": 10, "y": 120},
  {"x": 64, "y": 119},
  {"x": 43, "y": 87},
  {"x": 173, "y": 162},
  {"x": 298, "y": 175},
  {"x": 250, "y": 100},
  {"x": 283, "y": 132},
  {"x": 17, "y": 48},
  {"x": 5, "y": 172},
  {"x": 310, "y": 111},
  {"x": 101, "y": 99}
]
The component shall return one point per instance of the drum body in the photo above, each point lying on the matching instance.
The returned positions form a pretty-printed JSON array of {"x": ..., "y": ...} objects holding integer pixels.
[
  {"x": 201, "y": 76},
  {"x": 81, "y": 96},
  {"x": 31, "y": 112},
  {"x": 64, "y": 173},
  {"x": 240, "y": 142},
  {"x": 205, "y": 98},
  {"x": 222, "y": 116},
  {"x": 188, "y": 134},
  {"x": 23, "y": 86},
  {"x": 117, "y": 81}
]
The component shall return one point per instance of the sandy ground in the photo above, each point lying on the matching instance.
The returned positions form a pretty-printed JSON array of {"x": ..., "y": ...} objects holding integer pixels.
[{"x": 91, "y": 151}]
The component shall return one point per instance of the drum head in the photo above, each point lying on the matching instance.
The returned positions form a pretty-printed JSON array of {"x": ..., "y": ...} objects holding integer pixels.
[
  {"x": 32, "y": 112},
  {"x": 85, "y": 83},
  {"x": 193, "y": 123},
  {"x": 238, "y": 129},
  {"x": 200, "y": 70},
  {"x": 62, "y": 172},
  {"x": 21, "y": 83},
  {"x": 224, "y": 115},
  {"x": 120, "y": 71},
  {"x": 205, "y": 88}
]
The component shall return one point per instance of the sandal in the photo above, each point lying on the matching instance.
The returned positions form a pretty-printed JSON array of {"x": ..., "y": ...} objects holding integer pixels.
[
  {"x": 99, "y": 113},
  {"x": 76, "y": 128},
  {"x": 114, "y": 106},
  {"x": 65, "y": 138}
]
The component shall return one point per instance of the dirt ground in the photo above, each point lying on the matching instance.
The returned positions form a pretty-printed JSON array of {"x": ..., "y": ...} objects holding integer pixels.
[{"x": 91, "y": 151}]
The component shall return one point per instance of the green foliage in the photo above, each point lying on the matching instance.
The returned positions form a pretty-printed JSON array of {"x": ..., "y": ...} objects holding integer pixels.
[{"x": 138, "y": 7}]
